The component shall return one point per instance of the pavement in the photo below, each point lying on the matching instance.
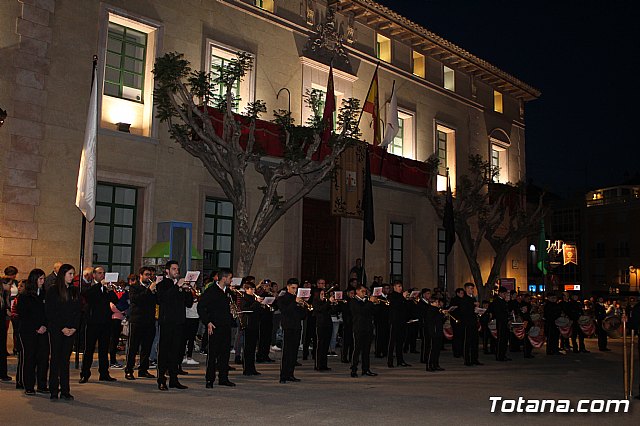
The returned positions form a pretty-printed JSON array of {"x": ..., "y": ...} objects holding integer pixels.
[{"x": 402, "y": 395}]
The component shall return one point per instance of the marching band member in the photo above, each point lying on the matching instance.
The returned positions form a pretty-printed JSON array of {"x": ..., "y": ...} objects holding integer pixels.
[
  {"x": 142, "y": 323},
  {"x": 215, "y": 310},
  {"x": 266, "y": 323},
  {"x": 347, "y": 326},
  {"x": 322, "y": 310},
  {"x": 432, "y": 319},
  {"x": 172, "y": 300},
  {"x": 398, "y": 324},
  {"x": 251, "y": 308},
  {"x": 469, "y": 323},
  {"x": 500, "y": 311},
  {"x": 381, "y": 321},
  {"x": 575, "y": 311},
  {"x": 552, "y": 311},
  {"x": 293, "y": 312},
  {"x": 362, "y": 312},
  {"x": 458, "y": 327}
]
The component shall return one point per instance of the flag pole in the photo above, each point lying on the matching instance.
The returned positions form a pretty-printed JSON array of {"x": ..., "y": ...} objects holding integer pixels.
[
  {"x": 368, "y": 91},
  {"x": 83, "y": 232}
]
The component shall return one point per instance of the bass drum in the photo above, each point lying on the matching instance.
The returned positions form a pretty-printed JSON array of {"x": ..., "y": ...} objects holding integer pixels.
[{"x": 612, "y": 325}]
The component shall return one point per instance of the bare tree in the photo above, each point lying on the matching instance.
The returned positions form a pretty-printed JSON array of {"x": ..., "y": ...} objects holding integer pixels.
[
  {"x": 184, "y": 98},
  {"x": 485, "y": 210}
]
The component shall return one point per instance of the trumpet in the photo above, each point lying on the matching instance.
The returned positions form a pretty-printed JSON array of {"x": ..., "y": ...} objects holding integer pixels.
[
  {"x": 446, "y": 313},
  {"x": 306, "y": 305},
  {"x": 378, "y": 301}
]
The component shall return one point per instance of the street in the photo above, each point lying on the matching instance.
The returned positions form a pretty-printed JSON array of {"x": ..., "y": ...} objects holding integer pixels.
[{"x": 410, "y": 395}]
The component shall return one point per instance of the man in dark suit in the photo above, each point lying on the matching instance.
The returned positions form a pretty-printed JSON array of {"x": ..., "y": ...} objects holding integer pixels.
[
  {"x": 214, "y": 309},
  {"x": 499, "y": 309},
  {"x": 362, "y": 311},
  {"x": 292, "y": 312},
  {"x": 469, "y": 322},
  {"x": 98, "y": 299},
  {"x": 398, "y": 308},
  {"x": 142, "y": 323},
  {"x": 173, "y": 297}
]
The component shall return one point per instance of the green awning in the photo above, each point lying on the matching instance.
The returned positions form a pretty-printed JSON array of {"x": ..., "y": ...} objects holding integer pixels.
[{"x": 162, "y": 250}]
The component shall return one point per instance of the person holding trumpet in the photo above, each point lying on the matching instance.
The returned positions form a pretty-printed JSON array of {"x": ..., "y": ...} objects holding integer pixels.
[
  {"x": 323, "y": 307},
  {"x": 251, "y": 305},
  {"x": 214, "y": 309},
  {"x": 293, "y": 310},
  {"x": 362, "y": 310}
]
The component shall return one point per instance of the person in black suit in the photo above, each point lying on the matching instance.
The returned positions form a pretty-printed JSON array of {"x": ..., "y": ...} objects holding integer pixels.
[
  {"x": 552, "y": 311},
  {"x": 266, "y": 323},
  {"x": 5, "y": 306},
  {"x": 381, "y": 322},
  {"x": 173, "y": 297},
  {"x": 432, "y": 321},
  {"x": 634, "y": 323},
  {"x": 32, "y": 334},
  {"x": 398, "y": 308},
  {"x": 292, "y": 312},
  {"x": 469, "y": 323},
  {"x": 575, "y": 311},
  {"x": 457, "y": 345},
  {"x": 142, "y": 323},
  {"x": 214, "y": 309},
  {"x": 499, "y": 309},
  {"x": 362, "y": 311},
  {"x": 346, "y": 350},
  {"x": 98, "y": 328},
  {"x": 251, "y": 307},
  {"x": 322, "y": 311},
  {"x": 62, "y": 309}
]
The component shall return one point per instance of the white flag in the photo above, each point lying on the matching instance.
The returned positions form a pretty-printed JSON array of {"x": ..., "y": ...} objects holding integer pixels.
[
  {"x": 86, "y": 192},
  {"x": 393, "y": 125}
]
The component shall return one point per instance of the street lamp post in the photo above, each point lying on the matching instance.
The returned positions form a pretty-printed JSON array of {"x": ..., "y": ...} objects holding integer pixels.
[{"x": 634, "y": 270}]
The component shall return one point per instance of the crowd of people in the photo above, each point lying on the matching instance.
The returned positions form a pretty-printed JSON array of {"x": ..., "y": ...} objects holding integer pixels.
[{"x": 159, "y": 320}]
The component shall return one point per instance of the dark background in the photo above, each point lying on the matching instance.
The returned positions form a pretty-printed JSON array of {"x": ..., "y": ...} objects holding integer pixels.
[{"x": 582, "y": 55}]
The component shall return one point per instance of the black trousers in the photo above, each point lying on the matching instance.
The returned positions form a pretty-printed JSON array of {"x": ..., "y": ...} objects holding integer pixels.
[
  {"x": 218, "y": 354},
  {"x": 309, "y": 337},
  {"x": 34, "y": 359},
  {"x": 514, "y": 343},
  {"x": 290, "y": 345},
  {"x": 412, "y": 337},
  {"x": 323, "y": 339},
  {"x": 528, "y": 347},
  {"x": 471, "y": 340},
  {"x": 577, "y": 336},
  {"x": 382, "y": 339},
  {"x": 116, "y": 331},
  {"x": 602, "y": 336},
  {"x": 61, "y": 347},
  {"x": 503, "y": 340},
  {"x": 347, "y": 342},
  {"x": 361, "y": 349},
  {"x": 397, "y": 333},
  {"x": 140, "y": 337},
  {"x": 100, "y": 334},
  {"x": 249, "y": 350},
  {"x": 553, "y": 339},
  {"x": 189, "y": 335},
  {"x": 3, "y": 348},
  {"x": 169, "y": 351},
  {"x": 264, "y": 339},
  {"x": 432, "y": 349}
]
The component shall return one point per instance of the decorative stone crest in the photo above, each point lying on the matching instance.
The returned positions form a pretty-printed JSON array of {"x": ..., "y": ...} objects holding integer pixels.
[
  {"x": 327, "y": 44},
  {"x": 310, "y": 13}
]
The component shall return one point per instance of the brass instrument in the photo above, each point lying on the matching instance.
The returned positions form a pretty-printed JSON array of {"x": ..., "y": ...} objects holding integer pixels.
[
  {"x": 378, "y": 301},
  {"x": 446, "y": 313},
  {"x": 235, "y": 311},
  {"x": 306, "y": 305}
]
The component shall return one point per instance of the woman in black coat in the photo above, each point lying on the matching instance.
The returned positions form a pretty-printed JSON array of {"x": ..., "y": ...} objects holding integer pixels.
[
  {"x": 32, "y": 334},
  {"x": 62, "y": 309}
]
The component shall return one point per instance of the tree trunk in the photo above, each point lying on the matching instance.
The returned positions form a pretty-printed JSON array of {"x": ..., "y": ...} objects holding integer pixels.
[{"x": 246, "y": 254}]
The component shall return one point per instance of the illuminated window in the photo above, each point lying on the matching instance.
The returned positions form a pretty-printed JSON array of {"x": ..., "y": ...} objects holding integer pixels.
[
  {"x": 383, "y": 48},
  {"x": 402, "y": 144},
  {"x": 265, "y": 4},
  {"x": 221, "y": 55},
  {"x": 499, "y": 160},
  {"x": 129, "y": 48},
  {"x": 497, "y": 101},
  {"x": 449, "y": 78},
  {"x": 218, "y": 234},
  {"x": 418, "y": 64},
  {"x": 445, "y": 151},
  {"x": 124, "y": 64}
]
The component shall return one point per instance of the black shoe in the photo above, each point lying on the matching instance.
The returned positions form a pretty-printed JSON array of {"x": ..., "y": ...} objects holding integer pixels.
[
  {"x": 354, "y": 374},
  {"x": 238, "y": 360},
  {"x": 605, "y": 350},
  {"x": 415, "y": 352},
  {"x": 283, "y": 381},
  {"x": 251, "y": 373},
  {"x": 529, "y": 356},
  {"x": 390, "y": 365},
  {"x": 54, "y": 397},
  {"x": 19, "y": 386},
  {"x": 324, "y": 369},
  {"x": 404, "y": 364},
  {"x": 431, "y": 369},
  {"x": 478, "y": 363},
  {"x": 129, "y": 376},
  {"x": 66, "y": 396},
  {"x": 305, "y": 358},
  {"x": 507, "y": 358},
  {"x": 163, "y": 386},
  {"x": 298, "y": 364},
  {"x": 293, "y": 379},
  {"x": 209, "y": 385},
  {"x": 29, "y": 392},
  {"x": 177, "y": 385},
  {"x": 43, "y": 390},
  {"x": 369, "y": 373},
  {"x": 231, "y": 368},
  {"x": 83, "y": 380},
  {"x": 226, "y": 383},
  {"x": 438, "y": 368},
  {"x": 107, "y": 379},
  {"x": 468, "y": 364},
  {"x": 584, "y": 351},
  {"x": 181, "y": 372},
  {"x": 146, "y": 375}
]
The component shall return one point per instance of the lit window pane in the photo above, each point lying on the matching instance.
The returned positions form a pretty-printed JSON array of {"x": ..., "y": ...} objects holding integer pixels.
[
  {"x": 225, "y": 208},
  {"x": 111, "y": 89},
  {"x": 126, "y": 196},
  {"x": 397, "y": 256},
  {"x": 224, "y": 226},
  {"x": 103, "y": 214},
  {"x": 121, "y": 254},
  {"x": 101, "y": 234},
  {"x": 224, "y": 260},
  {"x": 209, "y": 225},
  {"x": 210, "y": 207},
  {"x": 223, "y": 243},
  {"x": 122, "y": 235},
  {"x": 123, "y": 217},
  {"x": 114, "y": 46},
  {"x": 101, "y": 254}
]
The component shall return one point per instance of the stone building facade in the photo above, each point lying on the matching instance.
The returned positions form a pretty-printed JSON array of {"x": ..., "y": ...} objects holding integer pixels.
[{"x": 450, "y": 102}]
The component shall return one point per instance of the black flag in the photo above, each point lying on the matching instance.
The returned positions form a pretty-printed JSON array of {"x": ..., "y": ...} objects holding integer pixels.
[
  {"x": 448, "y": 221},
  {"x": 367, "y": 201}
]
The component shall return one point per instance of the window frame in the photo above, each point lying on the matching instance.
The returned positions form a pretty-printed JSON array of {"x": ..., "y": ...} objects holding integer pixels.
[
  {"x": 123, "y": 57},
  {"x": 378, "y": 47},
  {"x": 400, "y": 237},
  {"x": 446, "y": 70},
  {"x": 214, "y": 253}
]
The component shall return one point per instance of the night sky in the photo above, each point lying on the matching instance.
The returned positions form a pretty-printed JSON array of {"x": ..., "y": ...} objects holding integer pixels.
[{"x": 582, "y": 55}]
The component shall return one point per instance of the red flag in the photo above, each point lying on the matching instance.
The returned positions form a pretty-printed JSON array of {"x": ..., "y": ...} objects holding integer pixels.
[
  {"x": 329, "y": 109},
  {"x": 372, "y": 106}
]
